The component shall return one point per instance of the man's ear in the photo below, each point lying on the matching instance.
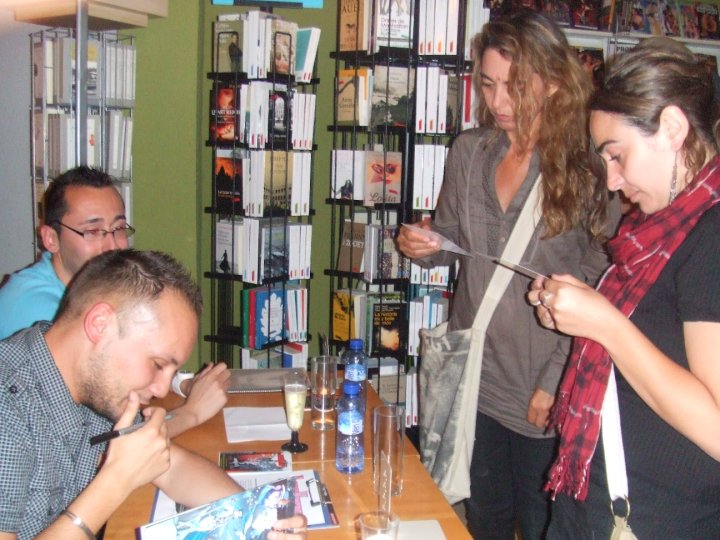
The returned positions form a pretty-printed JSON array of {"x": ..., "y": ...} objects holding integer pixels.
[
  {"x": 98, "y": 319},
  {"x": 674, "y": 127},
  {"x": 50, "y": 238}
]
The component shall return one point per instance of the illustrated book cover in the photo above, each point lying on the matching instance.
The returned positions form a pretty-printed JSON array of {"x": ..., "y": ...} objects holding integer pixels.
[{"x": 383, "y": 177}]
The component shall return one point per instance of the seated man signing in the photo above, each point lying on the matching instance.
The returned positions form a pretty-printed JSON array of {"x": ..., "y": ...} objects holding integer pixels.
[
  {"x": 126, "y": 324},
  {"x": 85, "y": 216}
]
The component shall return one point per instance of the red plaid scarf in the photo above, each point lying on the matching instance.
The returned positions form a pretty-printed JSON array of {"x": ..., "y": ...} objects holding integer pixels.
[{"x": 642, "y": 247}]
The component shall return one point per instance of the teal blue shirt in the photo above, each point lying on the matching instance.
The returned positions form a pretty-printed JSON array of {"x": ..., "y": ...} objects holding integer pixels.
[{"x": 30, "y": 295}]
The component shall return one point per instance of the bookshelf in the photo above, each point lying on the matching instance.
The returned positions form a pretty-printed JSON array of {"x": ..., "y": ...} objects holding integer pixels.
[
  {"x": 80, "y": 116},
  {"x": 379, "y": 141},
  {"x": 261, "y": 126}
]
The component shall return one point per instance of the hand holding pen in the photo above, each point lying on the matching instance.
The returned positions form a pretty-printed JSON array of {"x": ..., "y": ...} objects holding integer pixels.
[{"x": 138, "y": 457}]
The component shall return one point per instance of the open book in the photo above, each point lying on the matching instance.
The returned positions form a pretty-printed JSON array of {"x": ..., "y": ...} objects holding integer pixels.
[{"x": 246, "y": 515}]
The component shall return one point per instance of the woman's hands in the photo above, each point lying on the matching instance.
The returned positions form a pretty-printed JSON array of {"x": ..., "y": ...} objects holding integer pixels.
[
  {"x": 565, "y": 303},
  {"x": 414, "y": 244}
]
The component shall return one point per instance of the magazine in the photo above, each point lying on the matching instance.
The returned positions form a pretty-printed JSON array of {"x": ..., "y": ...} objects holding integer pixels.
[{"x": 246, "y": 515}]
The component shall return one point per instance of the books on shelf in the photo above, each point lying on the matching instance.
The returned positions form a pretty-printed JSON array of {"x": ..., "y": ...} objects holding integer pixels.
[
  {"x": 428, "y": 174},
  {"x": 383, "y": 177},
  {"x": 273, "y": 314},
  {"x": 382, "y": 259}
]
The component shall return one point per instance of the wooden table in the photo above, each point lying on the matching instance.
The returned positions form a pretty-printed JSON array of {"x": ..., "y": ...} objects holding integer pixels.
[{"x": 351, "y": 494}]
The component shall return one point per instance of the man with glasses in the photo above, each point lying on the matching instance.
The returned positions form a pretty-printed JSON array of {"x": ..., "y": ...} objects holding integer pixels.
[{"x": 84, "y": 216}]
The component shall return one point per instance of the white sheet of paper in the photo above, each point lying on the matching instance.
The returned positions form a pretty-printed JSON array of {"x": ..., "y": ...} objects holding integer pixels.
[
  {"x": 445, "y": 244},
  {"x": 255, "y": 424},
  {"x": 427, "y": 529}
]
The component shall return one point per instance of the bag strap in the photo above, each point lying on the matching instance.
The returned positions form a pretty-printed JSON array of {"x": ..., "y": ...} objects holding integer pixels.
[
  {"x": 613, "y": 443},
  {"x": 522, "y": 232}
]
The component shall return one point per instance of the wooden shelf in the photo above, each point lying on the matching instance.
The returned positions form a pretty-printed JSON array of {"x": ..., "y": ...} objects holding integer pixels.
[{"x": 102, "y": 14}]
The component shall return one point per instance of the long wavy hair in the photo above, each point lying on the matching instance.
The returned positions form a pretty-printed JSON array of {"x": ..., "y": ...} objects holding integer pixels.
[{"x": 572, "y": 195}]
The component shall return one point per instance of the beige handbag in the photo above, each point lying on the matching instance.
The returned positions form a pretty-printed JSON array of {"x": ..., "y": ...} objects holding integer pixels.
[{"x": 449, "y": 373}]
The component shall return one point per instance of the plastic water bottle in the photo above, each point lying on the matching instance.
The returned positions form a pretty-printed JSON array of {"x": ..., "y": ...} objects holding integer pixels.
[
  {"x": 356, "y": 366},
  {"x": 349, "y": 442}
]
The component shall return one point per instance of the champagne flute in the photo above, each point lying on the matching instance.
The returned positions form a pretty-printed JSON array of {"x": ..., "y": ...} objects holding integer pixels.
[{"x": 295, "y": 394}]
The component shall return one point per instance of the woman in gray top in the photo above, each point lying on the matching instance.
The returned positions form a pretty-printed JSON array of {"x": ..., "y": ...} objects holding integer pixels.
[{"x": 532, "y": 93}]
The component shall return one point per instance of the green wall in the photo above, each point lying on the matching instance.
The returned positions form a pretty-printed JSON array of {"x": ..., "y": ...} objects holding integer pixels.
[{"x": 172, "y": 165}]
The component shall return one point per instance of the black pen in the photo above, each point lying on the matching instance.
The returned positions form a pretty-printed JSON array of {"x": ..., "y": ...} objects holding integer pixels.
[{"x": 115, "y": 433}]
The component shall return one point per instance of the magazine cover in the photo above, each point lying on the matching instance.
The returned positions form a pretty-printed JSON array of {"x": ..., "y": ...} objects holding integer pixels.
[{"x": 247, "y": 515}]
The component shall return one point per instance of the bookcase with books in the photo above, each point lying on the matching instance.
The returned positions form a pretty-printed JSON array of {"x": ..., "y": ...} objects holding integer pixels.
[
  {"x": 402, "y": 79},
  {"x": 81, "y": 118},
  {"x": 261, "y": 124}
]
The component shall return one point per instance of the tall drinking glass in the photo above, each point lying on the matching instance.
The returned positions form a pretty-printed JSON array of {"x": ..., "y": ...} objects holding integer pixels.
[
  {"x": 295, "y": 393},
  {"x": 323, "y": 385}
]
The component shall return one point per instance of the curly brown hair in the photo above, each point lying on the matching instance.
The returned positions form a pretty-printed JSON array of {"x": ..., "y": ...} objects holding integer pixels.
[{"x": 572, "y": 195}]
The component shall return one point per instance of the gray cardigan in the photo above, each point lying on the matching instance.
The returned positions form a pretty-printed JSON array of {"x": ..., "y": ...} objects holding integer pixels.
[{"x": 519, "y": 354}]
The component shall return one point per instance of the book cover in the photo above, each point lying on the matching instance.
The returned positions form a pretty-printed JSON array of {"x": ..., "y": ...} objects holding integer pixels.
[
  {"x": 593, "y": 62},
  {"x": 689, "y": 20},
  {"x": 343, "y": 316},
  {"x": 353, "y": 96},
  {"x": 557, "y": 10},
  {"x": 707, "y": 13},
  {"x": 223, "y": 114},
  {"x": 278, "y": 179},
  {"x": 354, "y": 25},
  {"x": 352, "y": 247},
  {"x": 269, "y": 316},
  {"x": 394, "y": 23},
  {"x": 282, "y": 46},
  {"x": 273, "y": 248},
  {"x": 585, "y": 14},
  {"x": 228, "y": 181},
  {"x": 244, "y": 462},
  {"x": 389, "y": 329},
  {"x": 383, "y": 177},
  {"x": 671, "y": 18},
  {"x": 227, "y": 43},
  {"x": 348, "y": 174},
  {"x": 392, "y": 96}
]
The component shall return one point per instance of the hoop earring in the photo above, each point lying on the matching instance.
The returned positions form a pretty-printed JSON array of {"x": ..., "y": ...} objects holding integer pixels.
[{"x": 673, "y": 182}]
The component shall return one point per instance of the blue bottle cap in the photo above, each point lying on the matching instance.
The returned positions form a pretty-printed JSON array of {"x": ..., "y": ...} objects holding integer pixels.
[
  {"x": 351, "y": 388},
  {"x": 356, "y": 344}
]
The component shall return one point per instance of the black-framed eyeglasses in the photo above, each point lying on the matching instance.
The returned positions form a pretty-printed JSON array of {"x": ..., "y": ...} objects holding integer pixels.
[{"x": 94, "y": 235}]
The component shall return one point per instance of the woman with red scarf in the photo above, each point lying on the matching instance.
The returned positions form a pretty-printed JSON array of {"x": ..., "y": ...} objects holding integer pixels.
[{"x": 653, "y": 324}]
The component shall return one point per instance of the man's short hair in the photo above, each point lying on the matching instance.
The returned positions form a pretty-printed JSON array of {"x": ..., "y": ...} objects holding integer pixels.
[
  {"x": 126, "y": 278},
  {"x": 54, "y": 203}
]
